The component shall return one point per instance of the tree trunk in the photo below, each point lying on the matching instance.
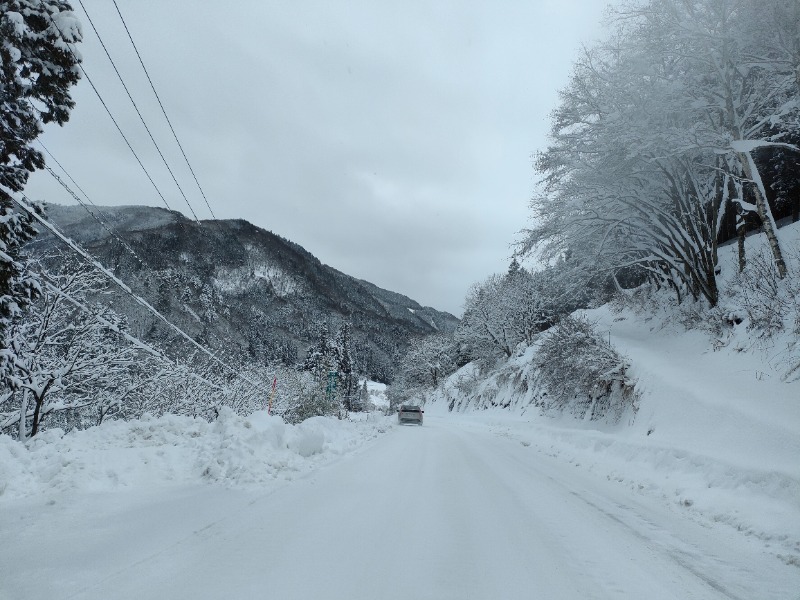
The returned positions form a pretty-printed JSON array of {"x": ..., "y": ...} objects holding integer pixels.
[
  {"x": 764, "y": 212},
  {"x": 23, "y": 417},
  {"x": 36, "y": 414},
  {"x": 741, "y": 232},
  {"x": 714, "y": 220}
]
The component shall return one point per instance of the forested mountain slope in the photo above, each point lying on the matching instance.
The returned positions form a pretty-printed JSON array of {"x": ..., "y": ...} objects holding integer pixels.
[{"x": 239, "y": 288}]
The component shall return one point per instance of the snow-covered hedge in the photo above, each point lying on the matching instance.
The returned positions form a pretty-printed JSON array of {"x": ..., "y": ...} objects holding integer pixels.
[{"x": 762, "y": 310}]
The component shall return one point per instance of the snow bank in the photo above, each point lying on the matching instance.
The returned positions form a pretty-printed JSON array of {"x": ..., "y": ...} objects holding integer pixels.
[
  {"x": 232, "y": 450},
  {"x": 717, "y": 431},
  {"x": 716, "y": 434}
]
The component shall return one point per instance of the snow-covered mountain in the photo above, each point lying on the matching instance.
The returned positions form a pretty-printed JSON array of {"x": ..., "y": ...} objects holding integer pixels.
[{"x": 239, "y": 288}]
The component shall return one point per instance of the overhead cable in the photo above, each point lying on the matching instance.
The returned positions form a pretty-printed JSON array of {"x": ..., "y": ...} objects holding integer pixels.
[
  {"x": 25, "y": 204},
  {"x": 163, "y": 110},
  {"x": 103, "y": 102},
  {"x": 138, "y": 112},
  {"x": 78, "y": 199},
  {"x": 119, "y": 129},
  {"x": 105, "y": 224}
]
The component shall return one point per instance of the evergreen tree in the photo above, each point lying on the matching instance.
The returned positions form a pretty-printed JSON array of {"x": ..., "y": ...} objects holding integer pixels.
[
  {"x": 363, "y": 397},
  {"x": 346, "y": 367},
  {"x": 37, "y": 69},
  {"x": 322, "y": 362}
]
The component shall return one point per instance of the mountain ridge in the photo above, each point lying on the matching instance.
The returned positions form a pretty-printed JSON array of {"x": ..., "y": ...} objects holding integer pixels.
[{"x": 240, "y": 288}]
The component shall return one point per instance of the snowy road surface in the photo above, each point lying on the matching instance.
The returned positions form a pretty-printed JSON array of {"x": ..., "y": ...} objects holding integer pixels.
[{"x": 452, "y": 509}]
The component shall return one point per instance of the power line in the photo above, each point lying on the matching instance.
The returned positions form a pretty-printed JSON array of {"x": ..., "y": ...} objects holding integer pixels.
[
  {"x": 104, "y": 224},
  {"x": 133, "y": 340},
  {"x": 103, "y": 102},
  {"x": 163, "y": 110},
  {"x": 116, "y": 124},
  {"x": 77, "y": 198},
  {"x": 138, "y": 112},
  {"x": 26, "y": 206}
]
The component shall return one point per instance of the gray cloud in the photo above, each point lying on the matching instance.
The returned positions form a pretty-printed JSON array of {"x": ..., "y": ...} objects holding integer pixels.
[{"x": 391, "y": 139}]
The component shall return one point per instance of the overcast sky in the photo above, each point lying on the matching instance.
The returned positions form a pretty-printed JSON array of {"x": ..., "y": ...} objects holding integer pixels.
[{"x": 393, "y": 140}]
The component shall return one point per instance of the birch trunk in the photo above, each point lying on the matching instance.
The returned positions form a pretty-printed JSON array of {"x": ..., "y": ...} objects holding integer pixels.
[{"x": 765, "y": 214}]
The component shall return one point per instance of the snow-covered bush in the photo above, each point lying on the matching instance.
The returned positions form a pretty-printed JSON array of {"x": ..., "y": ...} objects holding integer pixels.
[
  {"x": 472, "y": 389},
  {"x": 765, "y": 309},
  {"x": 769, "y": 302},
  {"x": 580, "y": 373}
]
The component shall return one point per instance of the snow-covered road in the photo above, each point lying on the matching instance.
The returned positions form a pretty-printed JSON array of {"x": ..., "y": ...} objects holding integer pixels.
[{"x": 453, "y": 509}]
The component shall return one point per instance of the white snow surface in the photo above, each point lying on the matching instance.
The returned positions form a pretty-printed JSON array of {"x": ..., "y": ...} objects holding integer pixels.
[
  {"x": 717, "y": 433},
  {"x": 170, "y": 450},
  {"x": 459, "y": 508},
  {"x": 377, "y": 394}
]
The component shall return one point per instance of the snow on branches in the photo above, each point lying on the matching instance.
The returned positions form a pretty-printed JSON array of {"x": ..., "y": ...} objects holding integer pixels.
[
  {"x": 582, "y": 374},
  {"x": 662, "y": 135},
  {"x": 38, "y": 66}
]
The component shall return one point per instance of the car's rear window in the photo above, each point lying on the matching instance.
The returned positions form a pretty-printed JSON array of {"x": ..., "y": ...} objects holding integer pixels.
[{"x": 410, "y": 409}]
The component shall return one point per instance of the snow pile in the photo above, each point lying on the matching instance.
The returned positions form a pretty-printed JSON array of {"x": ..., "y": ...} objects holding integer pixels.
[{"x": 232, "y": 451}]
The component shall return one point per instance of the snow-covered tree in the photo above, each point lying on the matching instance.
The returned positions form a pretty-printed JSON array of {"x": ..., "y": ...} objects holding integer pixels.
[
  {"x": 655, "y": 137},
  {"x": 322, "y": 361},
  {"x": 320, "y": 356},
  {"x": 483, "y": 328},
  {"x": 428, "y": 361},
  {"x": 38, "y": 65},
  {"x": 507, "y": 310},
  {"x": 362, "y": 400},
  {"x": 69, "y": 352},
  {"x": 347, "y": 369}
]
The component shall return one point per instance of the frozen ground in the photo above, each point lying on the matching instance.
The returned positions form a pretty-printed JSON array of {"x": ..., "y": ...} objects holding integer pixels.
[{"x": 697, "y": 499}]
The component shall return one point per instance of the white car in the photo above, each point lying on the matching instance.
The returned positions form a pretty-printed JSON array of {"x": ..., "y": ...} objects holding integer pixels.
[{"x": 409, "y": 413}]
